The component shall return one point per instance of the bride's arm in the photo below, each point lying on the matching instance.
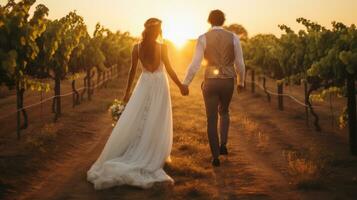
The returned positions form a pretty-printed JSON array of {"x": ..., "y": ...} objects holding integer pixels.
[
  {"x": 132, "y": 72},
  {"x": 170, "y": 71}
]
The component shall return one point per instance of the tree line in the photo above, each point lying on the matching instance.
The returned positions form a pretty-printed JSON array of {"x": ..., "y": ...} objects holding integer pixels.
[
  {"x": 34, "y": 48},
  {"x": 323, "y": 59}
]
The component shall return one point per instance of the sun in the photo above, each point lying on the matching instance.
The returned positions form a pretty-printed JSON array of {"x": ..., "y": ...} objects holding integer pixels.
[
  {"x": 179, "y": 40},
  {"x": 179, "y": 29},
  {"x": 176, "y": 32}
]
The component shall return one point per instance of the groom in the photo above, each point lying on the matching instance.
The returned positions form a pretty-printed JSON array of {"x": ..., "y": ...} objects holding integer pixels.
[{"x": 223, "y": 52}]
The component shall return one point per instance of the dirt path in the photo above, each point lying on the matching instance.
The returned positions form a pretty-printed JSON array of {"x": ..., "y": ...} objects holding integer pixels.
[{"x": 255, "y": 168}]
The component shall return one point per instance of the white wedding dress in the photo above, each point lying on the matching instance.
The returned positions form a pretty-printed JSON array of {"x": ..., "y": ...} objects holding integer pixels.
[{"x": 141, "y": 141}]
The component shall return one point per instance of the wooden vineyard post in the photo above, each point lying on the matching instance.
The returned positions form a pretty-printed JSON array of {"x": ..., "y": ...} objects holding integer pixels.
[
  {"x": 351, "y": 107},
  {"x": 58, "y": 109},
  {"x": 245, "y": 78},
  {"x": 74, "y": 94},
  {"x": 105, "y": 79},
  {"x": 306, "y": 103},
  {"x": 85, "y": 86},
  {"x": 280, "y": 95},
  {"x": 253, "y": 81},
  {"x": 89, "y": 85},
  {"x": 42, "y": 105},
  {"x": 100, "y": 75},
  {"x": 18, "y": 112},
  {"x": 76, "y": 97},
  {"x": 265, "y": 89}
]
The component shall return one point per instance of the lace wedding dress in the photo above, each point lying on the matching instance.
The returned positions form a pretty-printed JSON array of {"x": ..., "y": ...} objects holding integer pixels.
[{"x": 141, "y": 141}]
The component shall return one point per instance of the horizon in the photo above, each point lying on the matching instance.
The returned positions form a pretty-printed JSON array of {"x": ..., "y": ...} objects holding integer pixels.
[{"x": 178, "y": 27}]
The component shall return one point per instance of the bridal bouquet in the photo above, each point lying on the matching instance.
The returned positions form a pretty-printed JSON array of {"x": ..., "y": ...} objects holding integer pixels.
[{"x": 116, "y": 109}]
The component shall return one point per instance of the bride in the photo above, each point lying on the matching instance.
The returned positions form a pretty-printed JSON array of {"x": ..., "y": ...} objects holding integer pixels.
[{"x": 141, "y": 140}]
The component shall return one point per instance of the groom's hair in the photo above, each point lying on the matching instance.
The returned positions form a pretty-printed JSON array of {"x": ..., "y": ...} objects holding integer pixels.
[{"x": 216, "y": 18}]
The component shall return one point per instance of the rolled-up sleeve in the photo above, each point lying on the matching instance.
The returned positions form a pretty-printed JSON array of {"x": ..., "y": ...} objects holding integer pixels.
[
  {"x": 239, "y": 60},
  {"x": 196, "y": 61}
]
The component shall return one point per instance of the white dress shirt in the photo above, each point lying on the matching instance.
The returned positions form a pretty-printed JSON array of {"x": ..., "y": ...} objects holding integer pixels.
[{"x": 199, "y": 54}]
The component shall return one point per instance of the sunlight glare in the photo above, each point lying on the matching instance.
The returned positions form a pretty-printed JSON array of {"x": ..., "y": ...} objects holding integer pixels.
[{"x": 179, "y": 29}]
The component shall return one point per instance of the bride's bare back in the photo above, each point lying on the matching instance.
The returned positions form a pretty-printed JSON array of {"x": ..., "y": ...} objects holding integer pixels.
[
  {"x": 161, "y": 58},
  {"x": 150, "y": 65}
]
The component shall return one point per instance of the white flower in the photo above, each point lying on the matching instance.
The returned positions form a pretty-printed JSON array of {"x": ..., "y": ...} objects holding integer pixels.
[{"x": 116, "y": 109}]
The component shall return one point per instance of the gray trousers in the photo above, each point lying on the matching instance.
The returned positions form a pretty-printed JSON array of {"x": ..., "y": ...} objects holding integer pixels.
[{"x": 217, "y": 94}]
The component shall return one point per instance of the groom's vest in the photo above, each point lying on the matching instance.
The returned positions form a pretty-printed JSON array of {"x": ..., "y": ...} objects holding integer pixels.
[{"x": 219, "y": 54}]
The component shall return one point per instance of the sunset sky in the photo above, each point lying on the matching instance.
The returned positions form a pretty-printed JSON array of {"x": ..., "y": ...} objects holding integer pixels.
[{"x": 184, "y": 19}]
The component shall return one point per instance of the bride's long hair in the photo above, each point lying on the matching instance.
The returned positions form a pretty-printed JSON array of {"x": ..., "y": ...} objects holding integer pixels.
[{"x": 150, "y": 35}]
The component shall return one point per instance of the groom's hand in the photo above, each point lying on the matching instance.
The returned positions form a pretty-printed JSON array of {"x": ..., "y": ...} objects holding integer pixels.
[
  {"x": 240, "y": 89},
  {"x": 184, "y": 90}
]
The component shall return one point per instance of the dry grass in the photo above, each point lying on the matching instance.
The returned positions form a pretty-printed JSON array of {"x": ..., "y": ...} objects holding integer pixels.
[
  {"x": 189, "y": 148},
  {"x": 248, "y": 124},
  {"x": 306, "y": 171},
  {"x": 197, "y": 190},
  {"x": 255, "y": 134},
  {"x": 39, "y": 140},
  {"x": 263, "y": 141},
  {"x": 188, "y": 167}
]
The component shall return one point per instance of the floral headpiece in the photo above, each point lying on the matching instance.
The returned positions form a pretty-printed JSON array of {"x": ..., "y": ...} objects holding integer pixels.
[{"x": 152, "y": 23}]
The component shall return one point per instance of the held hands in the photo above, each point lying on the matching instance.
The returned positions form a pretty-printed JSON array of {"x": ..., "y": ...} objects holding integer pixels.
[
  {"x": 240, "y": 89},
  {"x": 184, "y": 90}
]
